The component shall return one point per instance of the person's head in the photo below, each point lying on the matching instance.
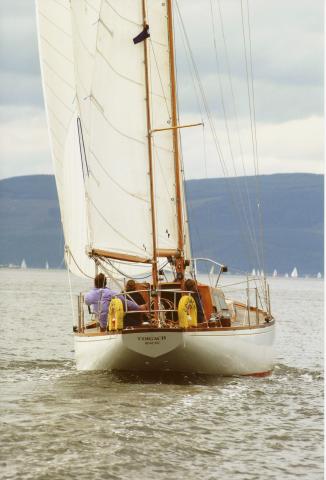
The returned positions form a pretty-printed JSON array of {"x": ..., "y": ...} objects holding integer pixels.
[
  {"x": 100, "y": 281},
  {"x": 130, "y": 286},
  {"x": 190, "y": 285}
]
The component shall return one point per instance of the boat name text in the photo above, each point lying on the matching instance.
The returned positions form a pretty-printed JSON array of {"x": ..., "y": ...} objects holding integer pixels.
[{"x": 152, "y": 340}]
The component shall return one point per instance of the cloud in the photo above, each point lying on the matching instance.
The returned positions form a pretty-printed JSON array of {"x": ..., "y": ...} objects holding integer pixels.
[
  {"x": 287, "y": 54},
  {"x": 18, "y": 46},
  {"x": 24, "y": 142},
  {"x": 286, "y": 37},
  {"x": 293, "y": 146},
  {"x": 273, "y": 102},
  {"x": 20, "y": 89},
  {"x": 20, "y": 70}
]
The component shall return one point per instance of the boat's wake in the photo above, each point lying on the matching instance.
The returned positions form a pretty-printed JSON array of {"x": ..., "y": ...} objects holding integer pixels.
[{"x": 285, "y": 371}]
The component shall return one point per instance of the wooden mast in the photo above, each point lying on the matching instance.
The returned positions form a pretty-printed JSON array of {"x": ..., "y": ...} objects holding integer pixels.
[
  {"x": 180, "y": 267},
  {"x": 150, "y": 154}
]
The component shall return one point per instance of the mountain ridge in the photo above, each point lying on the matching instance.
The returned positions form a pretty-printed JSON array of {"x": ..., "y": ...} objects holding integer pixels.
[{"x": 292, "y": 214}]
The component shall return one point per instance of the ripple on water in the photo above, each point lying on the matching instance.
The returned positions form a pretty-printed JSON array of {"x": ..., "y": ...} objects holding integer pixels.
[{"x": 58, "y": 423}]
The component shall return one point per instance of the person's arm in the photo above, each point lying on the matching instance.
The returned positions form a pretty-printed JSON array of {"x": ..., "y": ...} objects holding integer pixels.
[
  {"x": 91, "y": 297},
  {"x": 131, "y": 306}
]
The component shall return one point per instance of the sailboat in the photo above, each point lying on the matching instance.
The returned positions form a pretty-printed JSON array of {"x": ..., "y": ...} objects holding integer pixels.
[
  {"x": 294, "y": 273},
  {"x": 46, "y": 265},
  {"x": 109, "y": 83},
  {"x": 275, "y": 273},
  {"x": 23, "y": 265}
]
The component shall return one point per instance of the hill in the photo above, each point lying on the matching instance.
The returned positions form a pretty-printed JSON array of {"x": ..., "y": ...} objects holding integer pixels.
[
  {"x": 220, "y": 212},
  {"x": 292, "y": 213},
  {"x": 30, "y": 221}
]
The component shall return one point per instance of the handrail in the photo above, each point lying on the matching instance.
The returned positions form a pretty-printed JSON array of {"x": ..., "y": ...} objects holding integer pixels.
[
  {"x": 223, "y": 268},
  {"x": 158, "y": 291},
  {"x": 168, "y": 304}
]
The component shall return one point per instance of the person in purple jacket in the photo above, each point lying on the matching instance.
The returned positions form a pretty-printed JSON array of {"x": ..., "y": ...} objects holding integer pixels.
[{"x": 100, "y": 297}]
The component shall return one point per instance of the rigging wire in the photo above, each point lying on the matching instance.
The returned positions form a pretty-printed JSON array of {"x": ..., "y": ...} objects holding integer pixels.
[
  {"x": 107, "y": 271},
  {"x": 251, "y": 99},
  {"x": 125, "y": 275},
  {"x": 68, "y": 251},
  {"x": 204, "y": 150},
  {"x": 208, "y": 113},
  {"x": 244, "y": 217},
  {"x": 251, "y": 216},
  {"x": 160, "y": 77},
  {"x": 198, "y": 96},
  {"x": 71, "y": 296},
  {"x": 258, "y": 186},
  {"x": 187, "y": 238}
]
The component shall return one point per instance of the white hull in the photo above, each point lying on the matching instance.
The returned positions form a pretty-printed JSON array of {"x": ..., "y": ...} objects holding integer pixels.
[{"x": 218, "y": 352}]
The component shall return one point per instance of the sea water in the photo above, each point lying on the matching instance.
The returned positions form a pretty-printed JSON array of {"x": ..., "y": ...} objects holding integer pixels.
[{"x": 58, "y": 423}]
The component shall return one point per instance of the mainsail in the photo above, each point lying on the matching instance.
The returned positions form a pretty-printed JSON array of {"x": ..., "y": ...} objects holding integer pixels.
[{"x": 99, "y": 114}]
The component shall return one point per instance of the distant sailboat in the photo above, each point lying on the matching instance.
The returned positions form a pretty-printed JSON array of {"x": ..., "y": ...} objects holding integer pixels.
[
  {"x": 286, "y": 275},
  {"x": 275, "y": 273},
  {"x": 23, "y": 264},
  {"x": 253, "y": 273},
  {"x": 319, "y": 275},
  {"x": 46, "y": 265},
  {"x": 294, "y": 273}
]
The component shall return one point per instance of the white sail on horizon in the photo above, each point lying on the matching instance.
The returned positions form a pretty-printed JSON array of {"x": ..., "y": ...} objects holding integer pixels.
[
  {"x": 294, "y": 273},
  {"x": 275, "y": 273},
  {"x": 23, "y": 265}
]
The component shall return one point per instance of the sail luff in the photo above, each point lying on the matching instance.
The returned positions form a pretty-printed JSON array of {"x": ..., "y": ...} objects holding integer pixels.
[{"x": 55, "y": 42}]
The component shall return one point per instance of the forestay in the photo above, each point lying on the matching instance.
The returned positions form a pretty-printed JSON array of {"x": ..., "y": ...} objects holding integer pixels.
[{"x": 92, "y": 71}]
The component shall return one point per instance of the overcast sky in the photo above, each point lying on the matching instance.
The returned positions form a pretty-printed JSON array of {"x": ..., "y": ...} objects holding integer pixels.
[{"x": 287, "y": 58}]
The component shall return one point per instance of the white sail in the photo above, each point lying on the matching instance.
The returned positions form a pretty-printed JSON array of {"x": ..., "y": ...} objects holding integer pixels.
[
  {"x": 58, "y": 75},
  {"x": 319, "y": 275},
  {"x": 294, "y": 273},
  {"x": 275, "y": 273},
  {"x": 23, "y": 264},
  {"x": 93, "y": 71}
]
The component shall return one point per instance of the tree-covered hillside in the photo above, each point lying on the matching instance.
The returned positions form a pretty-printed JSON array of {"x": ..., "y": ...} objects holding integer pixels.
[{"x": 221, "y": 215}]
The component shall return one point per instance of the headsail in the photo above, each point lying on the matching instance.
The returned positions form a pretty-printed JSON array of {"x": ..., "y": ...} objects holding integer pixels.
[
  {"x": 94, "y": 74},
  {"x": 58, "y": 74}
]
